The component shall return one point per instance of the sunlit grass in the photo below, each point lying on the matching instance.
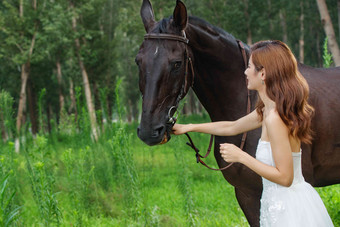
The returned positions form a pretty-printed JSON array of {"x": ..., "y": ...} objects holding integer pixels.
[{"x": 66, "y": 179}]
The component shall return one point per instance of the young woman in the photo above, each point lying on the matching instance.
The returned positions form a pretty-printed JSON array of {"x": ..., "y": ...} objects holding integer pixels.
[{"x": 285, "y": 117}]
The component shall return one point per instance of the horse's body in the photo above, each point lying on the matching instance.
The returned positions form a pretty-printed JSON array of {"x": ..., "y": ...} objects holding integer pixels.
[{"x": 220, "y": 85}]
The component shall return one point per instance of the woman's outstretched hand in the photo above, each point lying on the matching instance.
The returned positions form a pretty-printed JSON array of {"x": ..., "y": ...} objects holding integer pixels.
[
  {"x": 231, "y": 153},
  {"x": 179, "y": 129}
]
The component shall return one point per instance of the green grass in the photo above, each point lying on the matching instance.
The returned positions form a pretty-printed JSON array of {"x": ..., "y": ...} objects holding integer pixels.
[{"x": 64, "y": 179}]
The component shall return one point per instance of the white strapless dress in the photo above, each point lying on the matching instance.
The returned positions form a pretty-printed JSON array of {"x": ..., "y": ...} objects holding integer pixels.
[{"x": 298, "y": 205}]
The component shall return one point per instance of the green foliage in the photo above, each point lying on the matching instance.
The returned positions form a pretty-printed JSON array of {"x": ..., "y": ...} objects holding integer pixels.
[
  {"x": 119, "y": 181},
  {"x": 110, "y": 33},
  {"x": 125, "y": 171},
  {"x": 6, "y": 113},
  {"x": 118, "y": 99},
  {"x": 327, "y": 57},
  {"x": 184, "y": 182},
  {"x": 40, "y": 106},
  {"x": 330, "y": 196},
  {"x": 38, "y": 159},
  {"x": 8, "y": 214}
]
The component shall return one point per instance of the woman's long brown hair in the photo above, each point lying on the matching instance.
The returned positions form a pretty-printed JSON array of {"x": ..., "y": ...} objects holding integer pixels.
[{"x": 285, "y": 86}]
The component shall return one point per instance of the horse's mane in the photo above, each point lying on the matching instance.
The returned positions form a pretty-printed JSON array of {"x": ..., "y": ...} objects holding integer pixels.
[
  {"x": 215, "y": 31},
  {"x": 212, "y": 29},
  {"x": 162, "y": 27}
]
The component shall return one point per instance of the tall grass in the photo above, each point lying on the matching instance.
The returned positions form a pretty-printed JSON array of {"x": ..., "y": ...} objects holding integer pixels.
[
  {"x": 125, "y": 171},
  {"x": 40, "y": 106},
  {"x": 8, "y": 213},
  {"x": 6, "y": 115},
  {"x": 38, "y": 160},
  {"x": 65, "y": 179},
  {"x": 327, "y": 57},
  {"x": 185, "y": 186}
]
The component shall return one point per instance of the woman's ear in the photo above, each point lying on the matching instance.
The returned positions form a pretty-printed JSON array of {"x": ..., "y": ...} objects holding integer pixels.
[{"x": 263, "y": 74}]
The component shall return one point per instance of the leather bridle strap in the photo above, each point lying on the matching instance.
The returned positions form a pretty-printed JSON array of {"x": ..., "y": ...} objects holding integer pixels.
[{"x": 166, "y": 36}]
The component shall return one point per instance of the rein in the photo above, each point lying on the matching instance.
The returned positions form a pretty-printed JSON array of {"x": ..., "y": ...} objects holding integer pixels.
[{"x": 172, "y": 120}]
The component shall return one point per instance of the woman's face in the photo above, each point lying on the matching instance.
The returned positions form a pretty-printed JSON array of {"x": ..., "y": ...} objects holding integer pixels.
[{"x": 253, "y": 76}]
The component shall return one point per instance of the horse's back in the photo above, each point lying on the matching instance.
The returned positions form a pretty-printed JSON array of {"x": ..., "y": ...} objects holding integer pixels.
[{"x": 321, "y": 164}]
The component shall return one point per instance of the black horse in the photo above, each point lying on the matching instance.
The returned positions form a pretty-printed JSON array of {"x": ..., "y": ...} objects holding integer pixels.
[{"x": 179, "y": 52}]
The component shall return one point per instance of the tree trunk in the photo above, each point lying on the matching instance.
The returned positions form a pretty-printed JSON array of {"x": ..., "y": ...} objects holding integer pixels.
[
  {"x": 269, "y": 10},
  {"x": 318, "y": 48},
  {"x": 96, "y": 96},
  {"x": 88, "y": 97},
  {"x": 22, "y": 102},
  {"x": 32, "y": 106},
  {"x": 73, "y": 105},
  {"x": 89, "y": 102},
  {"x": 22, "y": 99},
  {"x": 339, "y": 17},
  {"x": 129, "y": 111},
  {"x": 24, "y": 76},
  {"x": 302, "y": 35},
  {"x": 49, "y": 112},
  {"x": 246, "y": 14},
  {"x": 21, "y": 8},
  {"x": 60, "y": 83},
  {"x": 4, "y": 134},
  {"x": 284, "y": 26},
  {"x": 329, "y": 30},
  {"x": 109, "y": 107}
]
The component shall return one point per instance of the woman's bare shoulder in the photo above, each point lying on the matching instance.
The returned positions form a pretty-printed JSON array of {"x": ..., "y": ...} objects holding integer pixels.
[
  {"x": 272, "y": 116},
  {"x": 273, "y": 120}
]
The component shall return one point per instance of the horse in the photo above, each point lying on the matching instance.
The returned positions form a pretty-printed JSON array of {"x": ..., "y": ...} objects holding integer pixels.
[{"x": 182, "y": 52}]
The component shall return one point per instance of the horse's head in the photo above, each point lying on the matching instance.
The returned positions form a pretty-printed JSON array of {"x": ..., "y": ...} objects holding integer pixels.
[{"x": 164, "y": 71}]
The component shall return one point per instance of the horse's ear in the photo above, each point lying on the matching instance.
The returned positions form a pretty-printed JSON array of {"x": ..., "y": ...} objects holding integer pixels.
[
  {"x": 180, "y": 15},
  {"x": 147, "y": 15}
]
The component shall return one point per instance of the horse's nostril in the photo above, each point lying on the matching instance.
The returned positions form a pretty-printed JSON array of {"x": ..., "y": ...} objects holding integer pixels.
[{"x": 158, "y": 131}]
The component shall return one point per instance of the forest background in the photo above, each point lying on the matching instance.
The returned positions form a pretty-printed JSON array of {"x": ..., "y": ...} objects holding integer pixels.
[{"x": 69, "y": 86}]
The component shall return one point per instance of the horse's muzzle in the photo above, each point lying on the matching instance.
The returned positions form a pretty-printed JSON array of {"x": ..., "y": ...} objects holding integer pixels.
[{"x": 157, "y": 135}]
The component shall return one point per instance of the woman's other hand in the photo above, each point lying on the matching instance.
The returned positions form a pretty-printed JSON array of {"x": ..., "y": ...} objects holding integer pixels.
[{"x": 231, "y": 153}]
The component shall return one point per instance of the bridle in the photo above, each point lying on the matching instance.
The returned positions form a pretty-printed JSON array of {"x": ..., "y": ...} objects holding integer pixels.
[
  {"x": 188, "y": 60},
  {"x": 185, "y": 88}
]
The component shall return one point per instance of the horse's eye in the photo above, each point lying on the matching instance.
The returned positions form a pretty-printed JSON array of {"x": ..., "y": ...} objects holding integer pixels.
[{"x": 177, "y": 65}]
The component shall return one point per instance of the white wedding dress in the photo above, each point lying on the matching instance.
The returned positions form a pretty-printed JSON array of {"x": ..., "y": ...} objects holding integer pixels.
[{"x": 298, "y": 205}]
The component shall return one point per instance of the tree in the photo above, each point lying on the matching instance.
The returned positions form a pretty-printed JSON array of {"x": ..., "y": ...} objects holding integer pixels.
[
  {"x": 329, "y": 30},
  {"x": 86, "y": 84},
  {"x": 20, "y": 31}
]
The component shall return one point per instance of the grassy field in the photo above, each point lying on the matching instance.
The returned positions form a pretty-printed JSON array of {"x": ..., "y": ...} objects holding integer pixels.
[{"x": 64, "y": 179}]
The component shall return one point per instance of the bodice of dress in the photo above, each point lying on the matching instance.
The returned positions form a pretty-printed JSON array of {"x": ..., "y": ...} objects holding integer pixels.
[
  {"x": 264, "y": 154},
  {"x": 294, "y": 206}
]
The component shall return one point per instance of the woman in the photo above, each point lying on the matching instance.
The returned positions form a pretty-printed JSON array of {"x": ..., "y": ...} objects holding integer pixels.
[{"x": 285, "y": 117}]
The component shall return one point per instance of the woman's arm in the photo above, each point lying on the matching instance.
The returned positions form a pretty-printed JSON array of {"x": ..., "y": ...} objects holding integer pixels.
[
  {"x": 222, "y": 128},
  {"x": 278, "y": 134}
]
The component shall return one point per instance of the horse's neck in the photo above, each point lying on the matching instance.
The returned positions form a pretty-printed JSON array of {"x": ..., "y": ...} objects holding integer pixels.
[{"x": 219, "y": 72}]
